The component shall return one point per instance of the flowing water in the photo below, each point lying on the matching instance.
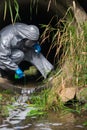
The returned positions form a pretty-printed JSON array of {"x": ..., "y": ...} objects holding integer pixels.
[
  {"x": 53, "y": 121},
  {"x": 18, "y": 119}
]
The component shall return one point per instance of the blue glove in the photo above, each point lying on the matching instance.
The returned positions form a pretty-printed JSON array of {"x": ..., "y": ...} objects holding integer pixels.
[
  {"x": 37, "y": 48},
  {"x": 19, "y": 74}
]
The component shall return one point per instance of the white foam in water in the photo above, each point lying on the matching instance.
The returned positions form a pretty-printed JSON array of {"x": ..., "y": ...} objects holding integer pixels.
[
  {"x": 3, "y": 125},
  {"x": 5, "y": 128},
  {"x": 17, "y": 117},
  {"x": 18, "y": 114},
  {"x": 45, "y": 129},
  {"x": 79, "y": 126},
  {"x": 56, "y": 124},
  {"x": 22, "y": 127}
]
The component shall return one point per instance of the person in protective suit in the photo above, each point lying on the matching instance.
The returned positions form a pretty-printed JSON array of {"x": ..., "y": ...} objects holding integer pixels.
[{"x": 19, "y": 42}]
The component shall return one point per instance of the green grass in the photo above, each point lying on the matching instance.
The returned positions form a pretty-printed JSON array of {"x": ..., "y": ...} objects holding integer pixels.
[
  {"x": 9, "y": 5},
  {"x": 73, "y": 45},
  {"x": 65, "y": 37},
  {"x": 36, "y": 113}
]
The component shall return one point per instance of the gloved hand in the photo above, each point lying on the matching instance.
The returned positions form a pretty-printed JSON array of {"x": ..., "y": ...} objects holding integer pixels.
[
  {"x": 19, "y": 74},
  {"x": 37, "y": 48}
]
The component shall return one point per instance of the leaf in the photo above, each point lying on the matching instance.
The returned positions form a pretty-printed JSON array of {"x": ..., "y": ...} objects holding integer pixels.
[
  {"x": 11, "y": 13},
  {"x": 35, "y": 112},
  {"x": 5, "y": 10}
]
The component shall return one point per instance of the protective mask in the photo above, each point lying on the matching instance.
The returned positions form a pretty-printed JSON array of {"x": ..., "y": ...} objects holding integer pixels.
[{"x": 29, "y": 43}]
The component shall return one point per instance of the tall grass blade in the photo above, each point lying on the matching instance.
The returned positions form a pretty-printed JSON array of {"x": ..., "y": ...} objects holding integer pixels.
[
  {"x": 11, "y": 12},
  {"x": 5, "y": 9}
]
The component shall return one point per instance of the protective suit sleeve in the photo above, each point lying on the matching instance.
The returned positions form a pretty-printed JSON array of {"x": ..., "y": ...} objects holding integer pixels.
[{"x": 5, "y": 60}]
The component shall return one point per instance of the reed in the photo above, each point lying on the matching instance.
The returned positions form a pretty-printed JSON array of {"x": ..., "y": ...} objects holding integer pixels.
[
  {"x": 12, "y": 6},
  {"x": 71, "y": 68}
]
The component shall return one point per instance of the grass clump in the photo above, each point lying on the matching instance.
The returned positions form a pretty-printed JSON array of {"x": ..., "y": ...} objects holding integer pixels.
[
  {"x": 11, "y": 6},
  {"x": 39, "y": 102},
  {"x": 71, "y": 42},
  {"x": 6, "y": 100}
]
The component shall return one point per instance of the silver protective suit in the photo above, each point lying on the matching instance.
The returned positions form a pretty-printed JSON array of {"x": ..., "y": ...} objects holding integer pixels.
[{"x": 12, "y": 49}]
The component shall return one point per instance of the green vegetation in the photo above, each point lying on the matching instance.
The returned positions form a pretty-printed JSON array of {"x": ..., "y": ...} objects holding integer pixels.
[
  {"x": 39, "y": 102},
  {"x": 12, "y": 6},
  {"x": 71, "y": 69},
  {"x": 74, "y": 49},
  {"x": 72, "y": 64},
  {"x": 6, "y": 100},
  {"x": 36, "y": 113}
]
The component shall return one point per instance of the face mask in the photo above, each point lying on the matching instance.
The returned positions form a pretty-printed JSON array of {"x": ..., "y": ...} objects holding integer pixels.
[{"x": 29, "y": 43}]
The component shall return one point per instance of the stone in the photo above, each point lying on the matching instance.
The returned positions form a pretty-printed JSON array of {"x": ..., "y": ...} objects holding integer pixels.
[{"x": 67, "y": 94}]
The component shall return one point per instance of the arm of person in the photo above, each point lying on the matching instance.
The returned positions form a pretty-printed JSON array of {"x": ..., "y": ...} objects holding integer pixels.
[{"x": 5, "y": 53}]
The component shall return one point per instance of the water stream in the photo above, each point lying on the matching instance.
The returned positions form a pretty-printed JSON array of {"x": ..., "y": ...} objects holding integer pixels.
[
  {"x": 18, "y": 119},
  {"x": 54, "y": 121}
]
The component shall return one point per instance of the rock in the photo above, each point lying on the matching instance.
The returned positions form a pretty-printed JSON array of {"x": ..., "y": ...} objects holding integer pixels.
[{"x": 67, "y": 94}]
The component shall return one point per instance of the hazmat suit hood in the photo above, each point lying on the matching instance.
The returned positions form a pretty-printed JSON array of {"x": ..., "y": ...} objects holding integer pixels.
[{"x": 30, "y": 33}]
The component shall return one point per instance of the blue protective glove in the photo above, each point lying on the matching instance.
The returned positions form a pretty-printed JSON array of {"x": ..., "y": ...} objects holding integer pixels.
[
  {"x": 37, "y": 48},
  {"x": 19, "y": 74}
]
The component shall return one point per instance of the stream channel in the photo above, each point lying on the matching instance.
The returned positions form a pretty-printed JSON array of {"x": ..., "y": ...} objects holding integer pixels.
[{"x": 18, "y": 119}]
